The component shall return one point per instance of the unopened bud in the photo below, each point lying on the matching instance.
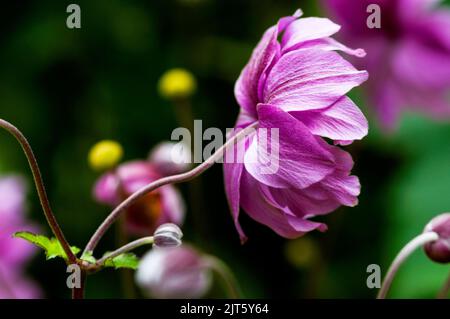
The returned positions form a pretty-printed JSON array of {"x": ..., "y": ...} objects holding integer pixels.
[
  {"x": 171, "y": 158},
  {"x": 439, "y": 250},
  {"x": 167, "y": 235},
  {"x": 105, "y": 155}
]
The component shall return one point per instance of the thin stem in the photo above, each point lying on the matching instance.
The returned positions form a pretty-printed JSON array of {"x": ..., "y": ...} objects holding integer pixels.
[
  {"x": 37, "y": 176},
  {"x": 174, "y": 179},
  {"x": 443, "y": 293},
  {"x": 78, "y": 293},
  {"x": 126, "y": 248},
  {"x": 227, "y": 276},
  {"x": 406, "y": 251}
]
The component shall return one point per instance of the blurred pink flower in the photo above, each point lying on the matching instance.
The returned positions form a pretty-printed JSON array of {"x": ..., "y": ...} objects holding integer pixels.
[
  {"x": 14, "y": 252},
  {"x": 296, "y": 83},
  {"x": 179, "y": 272},
  {"x": 164, "y": 205},
  {"x": 439, "y": 250},
  {"x": 171, "y": 158},
  {"x": 408, "y": 57}
]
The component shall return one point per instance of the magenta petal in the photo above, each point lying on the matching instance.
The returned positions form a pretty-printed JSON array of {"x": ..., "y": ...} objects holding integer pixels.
[
  {"x": 105, "y": 189},
  {"x": 330, "y": 44},
  {"x": 341, "y": 121},
  {"x": 306, "y": 29},
  {"x": 301, "y": 160},
  {"x": 310, "y": 79},
  {"x": 246, "y": 88},
  {"x": 232, "y": 176},
  {"x": 173, "y": 206},
  {"x": 12, "y": 198},
  {"x": 421, "y": 66},
  {"x": 333, "y": 191},
  {"x": 256, "y": 205}
]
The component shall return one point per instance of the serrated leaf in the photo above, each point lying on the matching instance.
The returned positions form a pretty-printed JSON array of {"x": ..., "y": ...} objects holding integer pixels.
[
  {"x": 87, "y": 256},
  {"x": 128, "y": 260},
  {"x": 51, "y": 246}
]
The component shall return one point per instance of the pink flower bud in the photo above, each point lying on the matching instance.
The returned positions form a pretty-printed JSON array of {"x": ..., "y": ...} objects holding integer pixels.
[
  {"x": 171, "y": 158},
  {"x": 439, "y": 250},
  {"x": 179, "y": 272}
]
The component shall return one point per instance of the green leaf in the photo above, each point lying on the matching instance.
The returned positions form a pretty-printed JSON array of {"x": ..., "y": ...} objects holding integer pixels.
[
  {"x": 127, "y": 260},
  {"x": 51, "y": 246},
  {"x": 87, "y": 256}
]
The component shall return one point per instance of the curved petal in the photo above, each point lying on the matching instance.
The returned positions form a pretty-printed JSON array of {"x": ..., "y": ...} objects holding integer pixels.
[
  {"x": 295, "y": 159},
  {"x": 341, "y": 121},
  {"x": 232, "y": 169},
  {"x": 333, "y": 191},
  {"x": 257, "y": 207},
  {"x": 251, "y": 80},
  {"x": 306, "y": 29},
  {"x": 330, "y": 44},
  {"x": 246, "y": 87},
  {"x": 232, "y": 178},
  {"x": 310, "y": 79}
]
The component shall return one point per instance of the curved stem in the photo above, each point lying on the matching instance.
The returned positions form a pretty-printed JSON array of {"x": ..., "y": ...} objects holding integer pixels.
[
  {"x": 174, "y": 179},
  {"x": 45, "y": 203},
  {"x": 126, "y": 248},
  {"x": 443, "y": 293},
  {"x": 406, "y": 251},
  {"x": 227, "y": 276}
]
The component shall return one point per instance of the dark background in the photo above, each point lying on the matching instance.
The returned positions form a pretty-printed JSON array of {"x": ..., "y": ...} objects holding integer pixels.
[{"x": 67, "y": 89}]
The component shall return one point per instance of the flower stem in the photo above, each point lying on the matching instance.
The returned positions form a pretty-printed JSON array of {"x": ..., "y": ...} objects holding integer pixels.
[
  {"x": 78, "y": 293},
  {"x": 406, "y": 251},
  {"x": 126, "y": 248},
  {"x": 174, "y": 179},
  {"x": 443, "y": 293},
  {"x": 227, "y": 276},
  {"x": 45, "y": 203}
]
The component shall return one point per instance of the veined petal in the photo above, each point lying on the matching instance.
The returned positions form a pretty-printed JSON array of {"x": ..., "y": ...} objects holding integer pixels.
[
  {"x": 257, "y": 207},
  {"x": 330, "y": 44},
  {"x": 232, "y": 177},
  {"x": 341, "y": 121},
  {"x": 300, "y": 159},
  {"x": 306, "y": 29},
  {"x": 246, "y": 88},
  {"x": 310, "y": 79},
  {"x": 333, "y": 191}
]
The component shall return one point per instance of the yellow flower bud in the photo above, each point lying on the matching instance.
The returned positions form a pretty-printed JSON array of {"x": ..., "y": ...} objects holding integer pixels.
[
  {"x": 301, "y": 252},
  {"x": 105, "y": 155},
  {"x": 177, "y": 83}
]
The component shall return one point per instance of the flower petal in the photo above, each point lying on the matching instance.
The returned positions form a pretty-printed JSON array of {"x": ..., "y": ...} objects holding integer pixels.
[
  {"x": 246, "y": 88},
  {"x": 306, "y": 29},
  {"x": 341, "y": 121},
  {"x": 418, "y": 64},
  {"x": 257, "y": 207},
  {"x": 297, "y": 159},
  {"x": 310, "y": 79},
  {"x": 232, "y": 177},
  {"x": 333, "y": 191}
]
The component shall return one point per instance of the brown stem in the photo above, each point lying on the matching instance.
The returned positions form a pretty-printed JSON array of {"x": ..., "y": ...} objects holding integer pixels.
[
  {"x": 184, "y": 177},
  {"x": 443, "y": 293},
  {"x": 45, "y": 203},
  {"x": 78, "y": 293}
]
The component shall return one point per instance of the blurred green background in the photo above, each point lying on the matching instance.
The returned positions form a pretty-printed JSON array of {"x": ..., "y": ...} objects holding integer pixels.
[{"x": 67, "y": 89}]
